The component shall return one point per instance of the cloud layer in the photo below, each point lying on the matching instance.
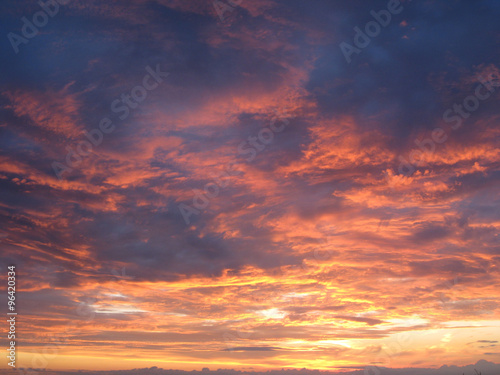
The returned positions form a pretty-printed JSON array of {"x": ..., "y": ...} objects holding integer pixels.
[{"x": 267, "y": 204}]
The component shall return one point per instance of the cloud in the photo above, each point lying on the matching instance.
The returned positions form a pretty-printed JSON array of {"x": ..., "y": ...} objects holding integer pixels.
[
  {"x": 253, "y": 348},
  {"x": 319, "y": 252}
]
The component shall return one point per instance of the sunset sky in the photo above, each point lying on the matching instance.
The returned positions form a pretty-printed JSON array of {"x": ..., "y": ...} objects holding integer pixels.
[{"x": 251, "y": 183}]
